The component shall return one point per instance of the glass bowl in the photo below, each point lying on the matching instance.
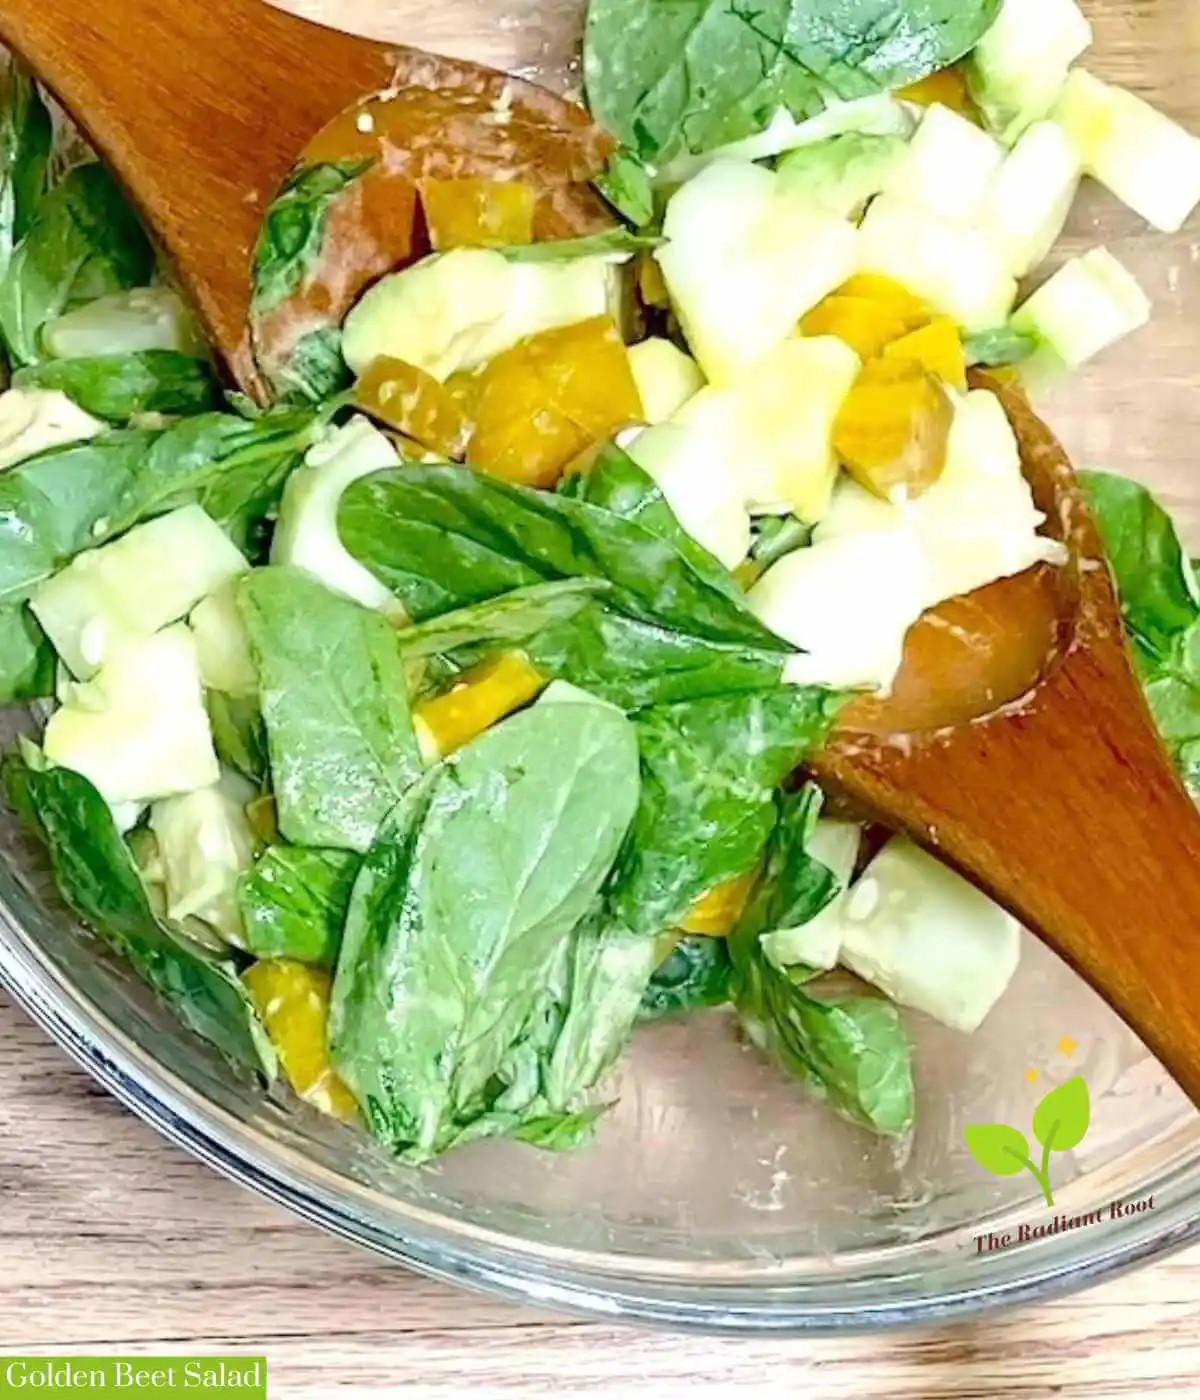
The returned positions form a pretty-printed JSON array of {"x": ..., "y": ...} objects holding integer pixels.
[{"x": 718, "y": 1195}]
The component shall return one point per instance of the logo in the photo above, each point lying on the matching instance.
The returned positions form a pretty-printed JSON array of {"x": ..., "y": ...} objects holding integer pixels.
[{"x": 1060, "y": 1123}]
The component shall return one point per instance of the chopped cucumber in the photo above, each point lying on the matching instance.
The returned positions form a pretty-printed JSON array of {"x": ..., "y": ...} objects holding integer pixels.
[
  {"x": 927, "y": 939},
  {"x": 773, "y": 428},
  {"x": 223, "y": 644},
  {"x": 1020, "y": 65},
  {"x": 818, "y": 943},
  {"x": 125, "y": 323},
  {"x": 962, "y": 272},
  {"x": 204, "y": 843},
  {"x": 307, "y": 535},
  {"x": 34, "y": 420},
  {"x": 700, "y": 484},
  {"x": 949, "y": 166},
  {"x": 153, "y": 575},
  {"x": 138, "y": 731},
  {"x": 841, "y": 174},
  {"x": 457, "y": 310},
  {"x": 665, "y": 377},
  {"x": 744, "y": 261},
  {"x": 1030, "y": 199},
  {"x": 1147, "y": 160},
  {"x": 1089, "y": 304}
]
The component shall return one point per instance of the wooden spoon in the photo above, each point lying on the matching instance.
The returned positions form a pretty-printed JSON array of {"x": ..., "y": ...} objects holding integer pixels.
[{"x": 1061, "y": 803}]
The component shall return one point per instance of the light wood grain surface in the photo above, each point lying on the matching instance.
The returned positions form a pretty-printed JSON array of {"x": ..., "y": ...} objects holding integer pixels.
[{"x": 112, "y": 1240}]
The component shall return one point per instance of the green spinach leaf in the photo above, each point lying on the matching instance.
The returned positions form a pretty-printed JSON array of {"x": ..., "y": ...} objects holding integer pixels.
[
  {"x": 238, "y": 733},
  {"x": 115, "y": 387},
  {"x": 85, "y": 241},
  {"x": 696, "y": 974},
  {"x": 692, "y": 75},
  {"x": 26, "y": 138},
  {"x": 852, "y": 1050},
  {"x": 315, "y": 369},
  {"x": 709, "y": 771},
  {"x": 1002, "y": 346},
  {"x": 97, "y": 878},
  {"x": 446, "y": 1001},
  {"x": 588, "y": 245},
  {"x": 294, "y": 901},
  {"x": 335, "y": 705},
  {"x": 507, "y": 620},
  {"x": 26, "y": 657},
  {"x": 628, "y": 186}
]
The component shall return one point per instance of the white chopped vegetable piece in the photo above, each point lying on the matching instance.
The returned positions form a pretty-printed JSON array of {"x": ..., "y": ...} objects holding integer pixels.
[
  {"x": 1088, "y": 305},
  {"x": 1147, "y": 160},
  {"x": 456, "y": 310},
  {"x": 34, "y": 420},
  {"x": 153, "y": 575},
  {"x": 306, "y": 534},
  {"x": 773, "y": 426},
  {"x": 960, "y": 271},
  {"x": 949, "y": 166},
  {"x": 125, "y": 323},
  {"x": 223, "y": 644},
  {"x": 665, "y": 377},
  {"x": 204, "y": 843},
  {"x": 818, "y": 943},
  {"x": 744, "y": 261},
  {"x": 927, "y": 939},
  {"x": 1030, "y": 199},
  {"x": 139, "y": 730},
  {"x": 1020, "y": 65},
  {"x": 841, "y": 174}
]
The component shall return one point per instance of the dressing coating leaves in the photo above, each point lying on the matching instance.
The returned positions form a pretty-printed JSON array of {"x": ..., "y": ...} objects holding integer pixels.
[
  {"x": 115, "y": 387},
  {"x": 293, "y": 903}
]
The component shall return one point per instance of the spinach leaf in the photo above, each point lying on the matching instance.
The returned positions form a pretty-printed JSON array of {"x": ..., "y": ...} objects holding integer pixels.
[
  {"x": 84, "y": 242},
  {"x": 695, "y": 74},
  {"x": 696, "y": 974},
  {"x": 446, "y": 1001},
  {"x": 96, "y": 876},
  {"x": 26, "y": 657},
  {"x": 26, "y": 138},
  {"x": 506, "y": 620},
  {"x": 335, "y": 705},
  {"x": 1002, "y": 346},
  {"x": 115, "y": 387},
  {"x": 293, "y": 903},
  {"x": 627, "y": 185},
  {"x": 775, "y": 537},
  {"x": 1158, "y": 591},
  {"x": 238, "y": 733},
  {"x": 709, "y": 771},
  {"x": 293, "y": 231},
  {"x": 315, "y": 369},
  {"x": 588, "y": 245},
  {"x": 852, "y": 1050}
]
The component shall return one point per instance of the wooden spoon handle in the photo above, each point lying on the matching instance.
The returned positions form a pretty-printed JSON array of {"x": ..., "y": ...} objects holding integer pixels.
[
  {"x": 1065, "y": 806},
  {"x": 201, "y": 108}
]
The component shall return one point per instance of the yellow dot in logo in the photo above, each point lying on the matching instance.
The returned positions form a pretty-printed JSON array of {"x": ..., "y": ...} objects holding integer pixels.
[
  {"x": 1067, "y": 1046},
  {"x": 1032, "y": 1075}
]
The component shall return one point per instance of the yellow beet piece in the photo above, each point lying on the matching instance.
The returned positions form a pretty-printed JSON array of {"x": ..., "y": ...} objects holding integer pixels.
[
  {"x": 864, "y": 324},
  {"x": 484, "y": 695},
  {"x": 872, "y": 286},
  {"x": 473, "y": 213},
  {"x": 543, "y": 402},
  {"x": 949, "y": 87},
  {"x": 651, "y": 287},
  {"x": 293, "y": 1002},
  {"x": 412, "y": 402},
  {"x": 938, "y": 348},
  {"x": 715, "y": 913},
  {"x": 893, "y": 429}
]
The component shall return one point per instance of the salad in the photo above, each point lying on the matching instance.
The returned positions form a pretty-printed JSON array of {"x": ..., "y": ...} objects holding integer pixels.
[{"x": 423, "y": 724}]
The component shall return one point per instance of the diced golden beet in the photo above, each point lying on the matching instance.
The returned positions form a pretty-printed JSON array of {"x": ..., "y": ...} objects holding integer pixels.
[
  {"x": 412, "y": 402},
  {"x": 293, "y": 1002},
  {"x": 715, "y": 913},
  {"x": 651, "y": 287},
  {"x": 892, "y": 432},
  {"x": 872, "y": 286},
  {"x": 949, "y": 87},
  {"x": 542, "y": 403},
  {"x": 264, "y": 819},
  {"x": 472, "y": 213},
  {"x": 865, "y": 325},
  {"x": 939, "y": 348},
  {"x": 482, "y": 697}
]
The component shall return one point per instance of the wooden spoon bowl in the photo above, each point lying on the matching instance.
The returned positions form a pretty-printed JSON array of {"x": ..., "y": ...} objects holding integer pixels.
[{"x": 1061, "y": 801}]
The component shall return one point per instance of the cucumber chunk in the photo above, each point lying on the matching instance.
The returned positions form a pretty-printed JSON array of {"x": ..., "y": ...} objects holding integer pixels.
[
  {"x": 818, "y": 943},
  {"x": 841, "y": 174},
  {"x": 34, "y": 420},
  {"x": 665, "y": 377},
  {"x": 1030, "y": 199},
  {"x": 949, "y": 166},
  {"x": 125, "y": 323},
  {"x": 223, "y": 644}
]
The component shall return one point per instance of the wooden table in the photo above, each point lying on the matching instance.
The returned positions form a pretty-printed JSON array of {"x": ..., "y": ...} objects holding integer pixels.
[{"x": 113, "y": 1240}]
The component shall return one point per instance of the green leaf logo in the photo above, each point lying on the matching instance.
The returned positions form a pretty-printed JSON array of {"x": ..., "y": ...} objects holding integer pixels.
[
  {"x": 1061, "y": 1120},
  {"x": 998, "y": 1148},
  {"x": 1060, "y": 1123}
]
